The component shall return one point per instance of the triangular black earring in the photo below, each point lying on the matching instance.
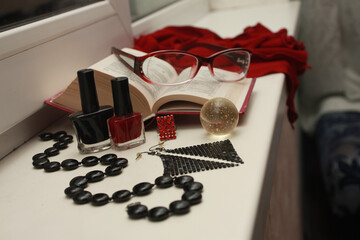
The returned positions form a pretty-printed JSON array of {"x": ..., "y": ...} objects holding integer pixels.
[
  {"x": 178, "y": 165},
  {"x": 175, "y": 164},
  {"x": 219, "y": 150}
]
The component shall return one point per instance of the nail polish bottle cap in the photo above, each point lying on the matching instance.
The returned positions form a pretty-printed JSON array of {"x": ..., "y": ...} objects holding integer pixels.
[
  {"x": 121, "y": 96},
  {"x": 88, "y": 95}
]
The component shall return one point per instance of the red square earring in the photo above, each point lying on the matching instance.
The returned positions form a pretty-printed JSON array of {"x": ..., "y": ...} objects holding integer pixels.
[{"x": 166, "y": 127}]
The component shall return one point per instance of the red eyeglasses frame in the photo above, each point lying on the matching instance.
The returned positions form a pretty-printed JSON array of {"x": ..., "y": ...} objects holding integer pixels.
[{"x": 202, "y": 61}]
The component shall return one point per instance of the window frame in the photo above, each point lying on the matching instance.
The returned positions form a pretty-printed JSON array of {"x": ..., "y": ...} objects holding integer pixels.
[
  {"x": 44, "y": 30},
  {"x": 36, "y": 33},
  {"x": 28, "y": 76}
]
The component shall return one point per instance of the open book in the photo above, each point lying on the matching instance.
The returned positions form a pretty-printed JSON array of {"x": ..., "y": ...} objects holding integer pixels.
[{"x": 151, "y": 99}]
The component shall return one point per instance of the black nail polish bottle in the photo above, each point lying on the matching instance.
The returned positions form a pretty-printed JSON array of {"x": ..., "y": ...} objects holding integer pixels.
[{"x": 90, "y": 124}]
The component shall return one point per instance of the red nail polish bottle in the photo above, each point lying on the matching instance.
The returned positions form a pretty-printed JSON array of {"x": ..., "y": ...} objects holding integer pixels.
[{"x": 126, "y": 127}]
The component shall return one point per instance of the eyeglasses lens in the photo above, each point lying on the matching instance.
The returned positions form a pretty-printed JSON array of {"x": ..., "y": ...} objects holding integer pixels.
[
  {"x": 170, "y": 68},
  {"x": 231, "y": 66}
]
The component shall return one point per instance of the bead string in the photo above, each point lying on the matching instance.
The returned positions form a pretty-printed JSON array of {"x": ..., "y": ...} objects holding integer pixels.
[
  {"x": 76, "y": 190},
  {"x": 72, "y": 164},
  {"x": 192, "y": 195},
  {"x": 41, "y": 160}
]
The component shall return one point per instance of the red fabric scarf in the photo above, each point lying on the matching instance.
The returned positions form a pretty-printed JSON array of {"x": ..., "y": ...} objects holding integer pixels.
[{"x": 272, "y": 52}]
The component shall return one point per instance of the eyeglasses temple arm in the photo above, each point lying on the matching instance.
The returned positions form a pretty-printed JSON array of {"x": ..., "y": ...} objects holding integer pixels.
[{"x": 118, "y": 53}]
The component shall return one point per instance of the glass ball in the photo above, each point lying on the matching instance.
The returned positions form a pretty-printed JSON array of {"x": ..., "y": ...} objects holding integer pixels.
[{"x": 219, "y": 116}]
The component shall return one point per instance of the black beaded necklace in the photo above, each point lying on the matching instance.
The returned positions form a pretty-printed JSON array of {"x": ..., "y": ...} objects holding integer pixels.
[
  {"x": 76, "y": 190},
  {"x": 192, "y": 195}
]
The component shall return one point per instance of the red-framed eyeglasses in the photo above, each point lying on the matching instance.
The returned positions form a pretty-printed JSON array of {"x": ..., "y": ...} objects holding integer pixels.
[{"x": 174, "y": 67}]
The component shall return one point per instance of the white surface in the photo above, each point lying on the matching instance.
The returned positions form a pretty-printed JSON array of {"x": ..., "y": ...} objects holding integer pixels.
[
  {"x": 222, "y": 4},
  {"x": 235, "y": 200}
]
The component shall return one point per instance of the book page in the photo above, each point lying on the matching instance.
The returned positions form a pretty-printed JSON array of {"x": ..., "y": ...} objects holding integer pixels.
[
  {"x": 113, "y": 67},
  {"x": 204, "y": 87}
]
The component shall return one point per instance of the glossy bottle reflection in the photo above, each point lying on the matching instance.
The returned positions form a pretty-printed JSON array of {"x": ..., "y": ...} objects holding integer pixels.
[
  {"x": 126, "y": 127},
  {"x": 90, "y": 124}
]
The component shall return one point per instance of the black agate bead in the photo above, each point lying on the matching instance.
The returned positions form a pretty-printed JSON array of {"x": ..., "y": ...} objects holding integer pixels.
[
  {"x": 164, "y": 181},
  {"x": 66, "y": 139},
  {"x": 79, "y": 181},
  {"x": 58, "y": 135},
  {"x": 121, "y": 196},
  {"x": 82, "y": 197},
  {"x": 70, "y": 164},
  {"x": 46, "y": 136},
  {"x": 90, "y": 161},
  {"x": 142, "y": 189},
  {"x": 52, "y": 166},
  {"x": 108, "y": 158},
  {"x": 113, "y": 170},
  {"x": 180, "y": 207},
  {"x": 158, "y": 214},
  {"x": 181, "y": 181},
  {"x": 193, "y": 197},
  {"x": 193, "y": 186},
  {"x": 40, "y": 163},
  {"x": 60, "y": 145},
  {"x": 51, "y": 151},
  {"x": 137, "y": 211},
  {"x": 39, "y": 156},
  {"x": 72, "y": 190},
  {"x": 100, "y": 199},
  {"x": 122, "y": 162},
  {"x": 95, "y": 176}
]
